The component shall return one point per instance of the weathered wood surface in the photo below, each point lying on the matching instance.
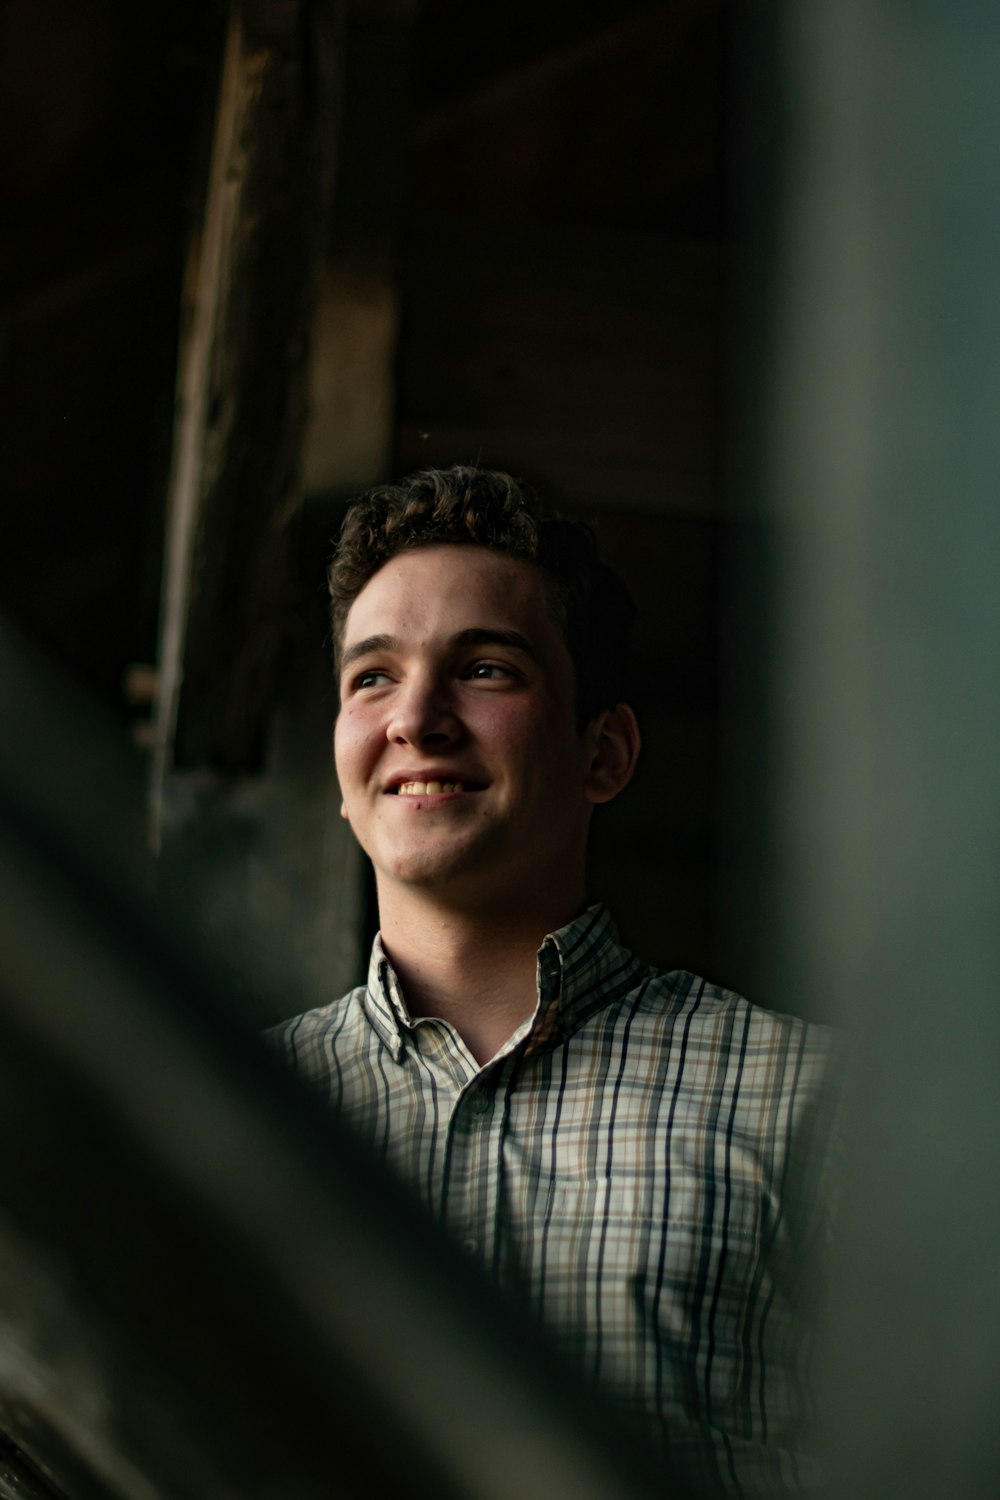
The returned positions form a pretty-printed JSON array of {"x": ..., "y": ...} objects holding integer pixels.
[
  {"x": 348, "y": 442},
  {"x": 241, "y": 399}
]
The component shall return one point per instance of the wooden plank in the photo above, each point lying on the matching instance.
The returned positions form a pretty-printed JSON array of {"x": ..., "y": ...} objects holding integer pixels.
[
  {"x": 241, "y": 400},
  {"x": 349, "y": 437}
]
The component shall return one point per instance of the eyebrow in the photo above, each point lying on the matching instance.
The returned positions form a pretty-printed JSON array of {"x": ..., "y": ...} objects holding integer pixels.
[
  {"x": 492, "y": 636},
  {"x": 365, "y": 647},
  {"x": 475, "y": 635}
]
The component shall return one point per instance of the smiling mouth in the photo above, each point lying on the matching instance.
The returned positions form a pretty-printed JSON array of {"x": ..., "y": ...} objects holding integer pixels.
[{"x": 432, "y": 788}]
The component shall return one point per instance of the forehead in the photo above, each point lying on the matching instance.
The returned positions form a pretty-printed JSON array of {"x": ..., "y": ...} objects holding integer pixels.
[{"x": 439, "y": 591}]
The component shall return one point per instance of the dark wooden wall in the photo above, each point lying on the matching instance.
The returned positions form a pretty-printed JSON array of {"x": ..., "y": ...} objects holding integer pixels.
[{"x": 525, "y": 265}]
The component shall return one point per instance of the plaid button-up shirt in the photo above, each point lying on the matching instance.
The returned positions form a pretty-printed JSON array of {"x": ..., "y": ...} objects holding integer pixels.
[{"x": 643, "y": 1155}]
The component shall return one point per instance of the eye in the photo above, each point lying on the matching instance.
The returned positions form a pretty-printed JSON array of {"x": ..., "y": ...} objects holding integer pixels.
[
  {"x": 490, "y": 671},
  {"x": 372, "y": 678}
]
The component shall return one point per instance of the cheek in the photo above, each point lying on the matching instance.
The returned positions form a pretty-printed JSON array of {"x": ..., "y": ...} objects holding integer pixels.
[
  {"x": 506, "y": 726},
  {"x": 352, "y": 737},
  {"x": 528, "y": 736}
]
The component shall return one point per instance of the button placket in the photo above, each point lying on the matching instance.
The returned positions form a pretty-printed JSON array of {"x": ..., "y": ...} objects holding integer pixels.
[{"x": 473, "y": 1172}]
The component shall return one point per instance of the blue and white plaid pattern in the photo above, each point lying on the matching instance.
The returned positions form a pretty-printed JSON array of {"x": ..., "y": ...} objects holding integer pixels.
[{"x": 630, "y": 1156}]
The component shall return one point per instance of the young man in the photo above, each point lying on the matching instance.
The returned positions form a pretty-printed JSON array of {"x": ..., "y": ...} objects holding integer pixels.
[{"x": 619, "y": 1140}]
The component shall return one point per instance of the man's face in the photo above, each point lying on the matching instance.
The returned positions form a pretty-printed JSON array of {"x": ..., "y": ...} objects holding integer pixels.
[{"x": 461, "y": 766}]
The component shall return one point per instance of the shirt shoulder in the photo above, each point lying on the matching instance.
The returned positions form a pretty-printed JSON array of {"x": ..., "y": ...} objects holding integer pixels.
[
  {"x": 314, "y": 1042},
  {"x": 678, "y": 996}
]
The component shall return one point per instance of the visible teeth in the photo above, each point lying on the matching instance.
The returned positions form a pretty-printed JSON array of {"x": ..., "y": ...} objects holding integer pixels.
[{"x": 428, "y": 788}]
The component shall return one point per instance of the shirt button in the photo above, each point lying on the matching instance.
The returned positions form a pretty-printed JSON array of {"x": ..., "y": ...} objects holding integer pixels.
[
  {"x": 471, "y": 1247},
  {"x": 480, "y": 1101}
]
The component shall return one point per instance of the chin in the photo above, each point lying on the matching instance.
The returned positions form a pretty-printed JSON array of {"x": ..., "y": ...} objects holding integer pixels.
[
  {"x": 453, "y": 875},
  {"x": 422, "y": 870}
]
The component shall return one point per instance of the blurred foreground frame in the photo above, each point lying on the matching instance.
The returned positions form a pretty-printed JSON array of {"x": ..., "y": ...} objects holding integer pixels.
[{"x": 207, "y": 1289}]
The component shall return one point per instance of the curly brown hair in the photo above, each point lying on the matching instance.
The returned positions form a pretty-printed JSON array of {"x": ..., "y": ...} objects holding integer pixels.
[{"x": 465, "y": 506}]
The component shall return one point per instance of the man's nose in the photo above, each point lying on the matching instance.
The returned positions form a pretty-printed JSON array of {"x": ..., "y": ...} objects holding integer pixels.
[{"x": 422, "y": 714}]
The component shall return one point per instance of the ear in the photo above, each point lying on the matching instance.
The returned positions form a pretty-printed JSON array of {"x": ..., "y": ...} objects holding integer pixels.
[
  {"x": 615, "y": 740},
  {"x": 333, "y": 747}
]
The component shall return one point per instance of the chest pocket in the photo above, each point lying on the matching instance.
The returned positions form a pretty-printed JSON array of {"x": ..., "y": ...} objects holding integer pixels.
[{"x": 658, "y": 1298}]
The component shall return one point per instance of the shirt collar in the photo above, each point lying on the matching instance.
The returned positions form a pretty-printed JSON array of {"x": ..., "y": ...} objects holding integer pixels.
[
  {"x": 579, "y": 969},
  {"x": 384, "y": 1001}
]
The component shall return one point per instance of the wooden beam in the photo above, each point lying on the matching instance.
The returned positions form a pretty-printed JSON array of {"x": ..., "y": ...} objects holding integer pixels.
[{"x": 234, "y": 488}]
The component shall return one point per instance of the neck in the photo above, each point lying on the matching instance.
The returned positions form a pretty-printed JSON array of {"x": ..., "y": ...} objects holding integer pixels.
[{"x": 473, "y": 970}]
